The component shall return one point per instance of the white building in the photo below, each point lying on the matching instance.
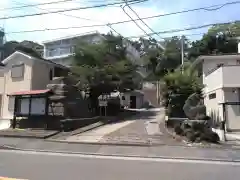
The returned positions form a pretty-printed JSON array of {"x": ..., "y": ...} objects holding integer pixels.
[
  {"x": 221, "y": 77},
  {"x": 60, "y": 50}
]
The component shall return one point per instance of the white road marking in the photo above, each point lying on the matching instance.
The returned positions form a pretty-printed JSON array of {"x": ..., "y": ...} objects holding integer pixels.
[
  {"x": 112, "y": 157},
  {"x": 97, "y": 134}
]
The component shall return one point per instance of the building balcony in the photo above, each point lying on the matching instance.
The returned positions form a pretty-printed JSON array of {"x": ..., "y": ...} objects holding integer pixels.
[{"x": 224, "y": 76}]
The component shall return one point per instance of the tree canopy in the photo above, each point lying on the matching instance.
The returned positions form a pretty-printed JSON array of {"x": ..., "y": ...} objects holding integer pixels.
[
  {"x": 105, "y": 63},
  {"x": 24, "y": 46}
]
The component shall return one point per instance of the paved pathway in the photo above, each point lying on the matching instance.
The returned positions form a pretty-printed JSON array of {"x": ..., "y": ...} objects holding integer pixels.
[
  {"x": 145, "y": 129},
  {"x": 141, "y": 128},
  {"x": 97, "y": 134}
]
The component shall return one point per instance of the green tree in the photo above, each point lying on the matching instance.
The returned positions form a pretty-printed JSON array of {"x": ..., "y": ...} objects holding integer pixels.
[
  {"x": 160, "y": 61},
  {"x": 220, "y": 39},
  {"x": 24, "y": 46},
  {"x": 104, "y": 67},
  {"x": 179, "y": 85}
]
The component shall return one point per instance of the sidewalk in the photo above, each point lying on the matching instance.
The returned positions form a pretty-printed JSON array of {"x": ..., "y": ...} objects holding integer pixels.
[{"x": 162, "y": 151}]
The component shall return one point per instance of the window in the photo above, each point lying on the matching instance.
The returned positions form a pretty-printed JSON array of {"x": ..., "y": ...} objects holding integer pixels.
[
  {"x": 17, "y": 71},
  {"x": 66, "y": 50},
  {"x": 123, "y": 98},
  {"x": 52, "y": 52},
  {"x": 212, "y": 96},
  {"x": 11, "y": 102}
]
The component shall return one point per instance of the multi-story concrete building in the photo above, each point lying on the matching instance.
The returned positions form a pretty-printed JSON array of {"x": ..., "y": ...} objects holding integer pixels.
[
  {"x": 61, "y": 49},
  {"x": 222, "y": 88}
]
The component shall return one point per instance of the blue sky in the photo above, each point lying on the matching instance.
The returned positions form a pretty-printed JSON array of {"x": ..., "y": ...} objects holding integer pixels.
[{"x": 111, "y": 14}]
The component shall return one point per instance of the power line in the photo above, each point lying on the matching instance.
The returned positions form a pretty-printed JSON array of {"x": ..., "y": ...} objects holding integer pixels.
[
  {"x": 65, "y": 10},
  {"x": 42, "y": 4},
  {"x": 147, "y": 34},
  {"x": 186, "y": 29},
  {"x": 68, "y": 15},
  {"x": 133, "y": 20},
  {"x": 74, "y": 17},
  {"x": 144, "y": 22},
  {"x": 120, "y": 22},
  {"x": 206, "y": 8},
  {"x": 140, "y": 18}
]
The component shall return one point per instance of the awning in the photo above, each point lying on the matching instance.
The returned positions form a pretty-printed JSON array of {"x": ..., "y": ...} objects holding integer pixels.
[{"x": 32, "y": 92}]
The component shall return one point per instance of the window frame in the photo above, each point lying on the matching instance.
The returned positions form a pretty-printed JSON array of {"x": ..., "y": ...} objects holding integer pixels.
[
  {"x": 212, "y": 96},
  {"x": 18, "y": 66}
]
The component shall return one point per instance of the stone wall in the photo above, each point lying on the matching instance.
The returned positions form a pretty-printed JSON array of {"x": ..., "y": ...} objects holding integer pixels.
[{"x": 67, "y": 100}]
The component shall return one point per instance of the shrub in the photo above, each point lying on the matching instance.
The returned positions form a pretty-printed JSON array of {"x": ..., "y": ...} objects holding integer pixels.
[
  {"x": 190, "y": 136},
  {"x": 177, "y": 88},
  {"x": 178, "y": 130}
]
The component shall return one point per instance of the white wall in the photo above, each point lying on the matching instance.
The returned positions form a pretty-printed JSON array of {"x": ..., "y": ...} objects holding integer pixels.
[
  {"x": 214, "y": 106},
  {"x": 231, "y": 76},
  {"x": 211, "y": 64},
  {"x": 213, "y": 81},
  {"x": 221, "y": 82}
]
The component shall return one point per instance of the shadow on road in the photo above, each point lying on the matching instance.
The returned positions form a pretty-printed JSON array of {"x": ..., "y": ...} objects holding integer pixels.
[{"x": 128, "y": 115}]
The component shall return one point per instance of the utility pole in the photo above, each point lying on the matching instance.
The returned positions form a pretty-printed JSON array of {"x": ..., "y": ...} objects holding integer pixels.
[{"x": 182, "y": 53}]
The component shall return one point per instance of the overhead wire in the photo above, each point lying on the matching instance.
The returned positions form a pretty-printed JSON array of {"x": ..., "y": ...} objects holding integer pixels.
[
  {"x": 140, "y": 18},
  {"x": 148, "y": 34},
  {"x": 206, "y": 8},
  {"x": 161, "y": 46},
  {"x": 133, "y": 20},
  {"x": 68, "y": 15},
  {"x": 65, "y": 10},
  {"x": 49, "y": 3}
]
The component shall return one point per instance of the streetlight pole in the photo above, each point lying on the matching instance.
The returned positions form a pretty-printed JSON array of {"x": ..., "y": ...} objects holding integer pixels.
[{"x": 182, "y": 53}]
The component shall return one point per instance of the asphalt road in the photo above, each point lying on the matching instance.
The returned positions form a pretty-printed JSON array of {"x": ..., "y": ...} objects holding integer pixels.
[{"x": 54, "y": 166}]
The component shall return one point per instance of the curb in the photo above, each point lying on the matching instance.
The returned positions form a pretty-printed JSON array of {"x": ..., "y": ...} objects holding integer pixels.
[
  {"x": 105, "y": 143},
  {"x": 119, "y": 155},
  {"x": 29, "y": 137},
  {"x": 80, "y": 130}
]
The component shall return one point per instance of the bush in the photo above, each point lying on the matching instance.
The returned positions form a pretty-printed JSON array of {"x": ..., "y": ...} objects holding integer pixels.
[
  {"x": 190, "y": 135},
  {"x": 178, "y": 130},
  {"x": 185, "y": 126},
  {"x": 177, "y": 88},
  {"x": 197, "y": 126}
]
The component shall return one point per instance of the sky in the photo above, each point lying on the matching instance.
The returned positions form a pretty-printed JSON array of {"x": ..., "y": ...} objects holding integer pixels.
[{"x": 108, "y": 15}]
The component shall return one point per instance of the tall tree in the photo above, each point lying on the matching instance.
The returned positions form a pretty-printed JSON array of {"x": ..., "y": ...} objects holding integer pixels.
[
  {"x": 160, "y": 61},
  {"x": 104, "y": 67},
  {"x": 220, "y": 39}
]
